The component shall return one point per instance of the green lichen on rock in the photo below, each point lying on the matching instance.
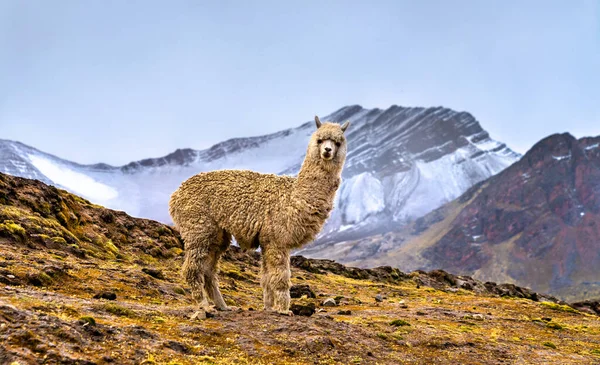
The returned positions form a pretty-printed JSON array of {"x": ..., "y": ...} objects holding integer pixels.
[
  {"x": 399, "y": 323},
  {"x": 87, "y": 319}
]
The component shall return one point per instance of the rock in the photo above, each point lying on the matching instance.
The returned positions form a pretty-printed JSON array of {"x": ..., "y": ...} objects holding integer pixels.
[
  {"x": 39, "y": 279},
  {"x": 345, "y": 312},
  {"x": 475, "y": 317},
  {"x": 177, "y": 346},
  {"x": 343, "y": 301},
  {"x": 87, "y": 321},
  {"x": 106, "y": 295},
  {"x": 55, "y": 271},
  {"x": 379, "y": 298},
  {"x": 199, "y": 315},
  {"x": 303, "y": 309},
  {"x": 402, "y": 304},
  {"x": 297, "y": 291},
  {"x": 329, "y": 302},
  {"x": 155, "y": 273},
  {"x": 588, "y": 306}
]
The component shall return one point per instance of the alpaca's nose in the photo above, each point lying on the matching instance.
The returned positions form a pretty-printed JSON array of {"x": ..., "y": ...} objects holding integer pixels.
[{"x": 327, "y": 149}]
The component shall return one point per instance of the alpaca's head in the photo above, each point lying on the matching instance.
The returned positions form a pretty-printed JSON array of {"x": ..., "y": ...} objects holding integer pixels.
[{"x": 328, "y": 142}]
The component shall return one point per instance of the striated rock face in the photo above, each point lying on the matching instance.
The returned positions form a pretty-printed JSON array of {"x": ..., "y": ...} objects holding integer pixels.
[
  {"x": 536, "y": 224},
  {"x": 402, "y": 163}
]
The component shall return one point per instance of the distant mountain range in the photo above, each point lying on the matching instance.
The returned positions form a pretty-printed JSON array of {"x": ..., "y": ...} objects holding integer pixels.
[
  {"x": 402, "y": 164},
  {"x": 536, "y": 224}
]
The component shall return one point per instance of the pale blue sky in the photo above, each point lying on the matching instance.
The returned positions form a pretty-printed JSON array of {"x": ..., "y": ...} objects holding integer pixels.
[{"x": 116, "y": 81}]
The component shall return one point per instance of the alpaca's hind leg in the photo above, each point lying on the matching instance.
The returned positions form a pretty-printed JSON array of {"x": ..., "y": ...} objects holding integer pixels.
[
  {"x": 276, "y": 278},
  {"x": 211, "y": 282},
  {"x": 194, "y": 266}
]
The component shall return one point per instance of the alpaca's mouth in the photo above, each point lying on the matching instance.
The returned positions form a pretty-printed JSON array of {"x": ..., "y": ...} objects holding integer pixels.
[{"x": 327, "y": 155}]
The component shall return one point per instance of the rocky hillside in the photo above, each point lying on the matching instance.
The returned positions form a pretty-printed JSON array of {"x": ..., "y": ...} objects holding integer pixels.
[
  {"x": 402, "y": 163},
  {"x": 85, "y": 285},
  {"x": 536, "y": 224}
]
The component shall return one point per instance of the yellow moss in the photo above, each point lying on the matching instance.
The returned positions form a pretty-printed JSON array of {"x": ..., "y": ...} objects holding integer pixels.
[
  {"x": 175, "y": 251},
  {"x": 555, "y": 326},
  {"x": 399, "y": 323},
  {"x": 149, "y": 360},
  {"x": 59, "y": 240},
  {"x": 111, "y": 247},
  {"x": 12, "y": 212},
  {"x": 13, "y": 229},
  {"x": 559, "y": 307},
  {"x": 118, "y": 310}
]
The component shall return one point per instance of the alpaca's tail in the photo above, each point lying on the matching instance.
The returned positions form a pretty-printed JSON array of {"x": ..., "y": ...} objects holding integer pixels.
[{"x": 173, "y": 204}]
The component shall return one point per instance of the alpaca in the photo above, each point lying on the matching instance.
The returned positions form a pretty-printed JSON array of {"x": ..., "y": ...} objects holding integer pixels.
[{"x": 275, "y": 213}]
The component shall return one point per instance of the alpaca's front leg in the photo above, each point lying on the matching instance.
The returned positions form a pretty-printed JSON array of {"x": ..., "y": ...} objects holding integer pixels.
[
  {"x": 266, "y": 288},
  {"x": 276, "y": 279}
]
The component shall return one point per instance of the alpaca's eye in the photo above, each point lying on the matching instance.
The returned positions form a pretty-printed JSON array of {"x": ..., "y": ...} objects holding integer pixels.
[
  {"x": 338, "y": 144},
  {"x": 319, "y": 141}
]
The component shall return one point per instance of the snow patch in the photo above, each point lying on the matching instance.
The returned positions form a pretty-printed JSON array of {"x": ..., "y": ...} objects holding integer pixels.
[
  {"x": 361, "y": 196},
  {"x": 560, "y": 158},
  {"x": 591, "y": 147},
  {"x": 74, "y": 181},
  {"x": 345, "y": 227}
]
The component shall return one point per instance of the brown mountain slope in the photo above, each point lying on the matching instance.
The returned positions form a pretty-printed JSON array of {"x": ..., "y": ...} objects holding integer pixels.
[
  {"x": 536, "y": 224},
  {"x": 86, "y": 285}
]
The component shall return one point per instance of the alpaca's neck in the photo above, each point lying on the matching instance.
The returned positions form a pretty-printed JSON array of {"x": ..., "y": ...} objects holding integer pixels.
[{"x": 317, "y": 182}]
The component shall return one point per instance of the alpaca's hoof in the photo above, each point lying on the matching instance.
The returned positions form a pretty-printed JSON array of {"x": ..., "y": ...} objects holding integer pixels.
[
  {"x": 199, "y": 315},
  {"x": 229, "y": 309},
  {"x": 286, "y": 313}
]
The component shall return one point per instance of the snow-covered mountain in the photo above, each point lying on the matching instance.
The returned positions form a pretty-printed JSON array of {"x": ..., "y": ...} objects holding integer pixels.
[{"x": 402, "y": 163}]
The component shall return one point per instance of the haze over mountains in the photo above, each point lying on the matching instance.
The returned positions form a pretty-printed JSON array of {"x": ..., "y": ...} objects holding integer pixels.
[{"x": 402, "y": 164}]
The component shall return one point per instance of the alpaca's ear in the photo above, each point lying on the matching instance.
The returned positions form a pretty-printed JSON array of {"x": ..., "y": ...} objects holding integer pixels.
[
  {"x": 345, "y": 125},
  {"x": 318, "y": 122}
]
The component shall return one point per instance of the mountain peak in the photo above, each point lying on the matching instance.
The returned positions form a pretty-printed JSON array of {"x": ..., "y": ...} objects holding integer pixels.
[{"x": 396, "y": 169}]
